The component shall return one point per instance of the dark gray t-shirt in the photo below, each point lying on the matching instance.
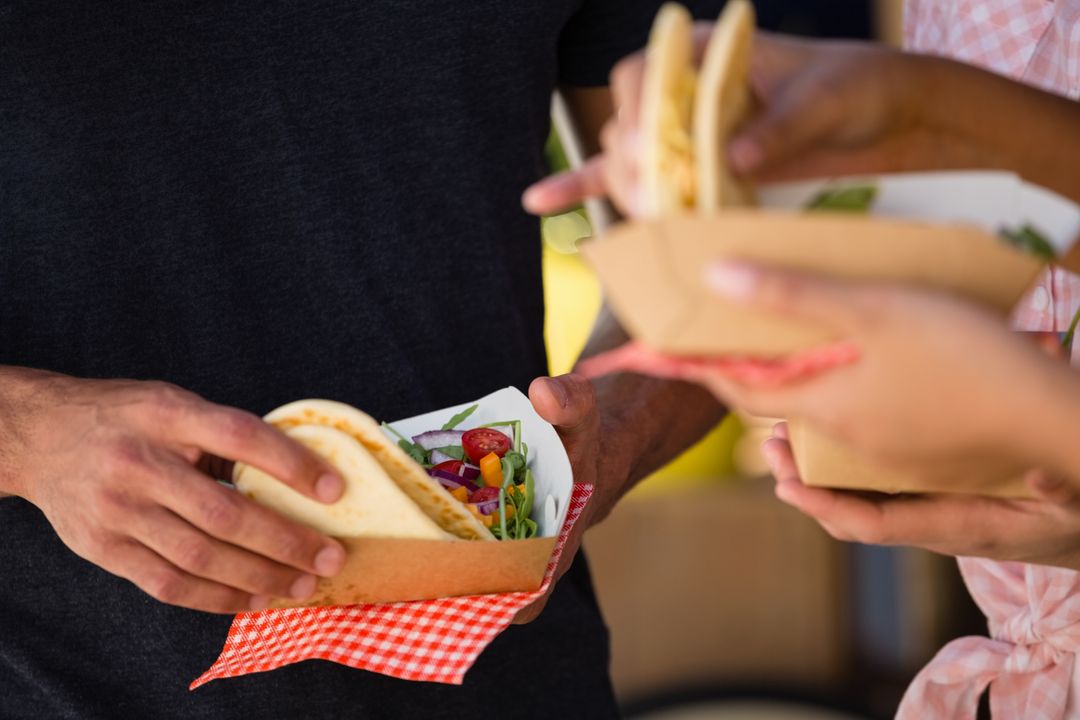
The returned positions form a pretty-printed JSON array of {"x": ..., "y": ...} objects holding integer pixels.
[{"x": 263, "y": 202}]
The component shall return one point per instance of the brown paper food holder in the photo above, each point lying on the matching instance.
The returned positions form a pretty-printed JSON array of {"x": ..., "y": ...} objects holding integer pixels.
[
  {"x": 396, "y": 569},
  {"x": 652, "y": 273},
  {"x": 399, "y": 570}
]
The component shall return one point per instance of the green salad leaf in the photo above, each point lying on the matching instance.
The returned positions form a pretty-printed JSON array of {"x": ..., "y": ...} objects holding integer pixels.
[
  {"x": 852, "y": 199},
  {"x": 1030, "y": 240},
  {"x": 459, "y": 418}
]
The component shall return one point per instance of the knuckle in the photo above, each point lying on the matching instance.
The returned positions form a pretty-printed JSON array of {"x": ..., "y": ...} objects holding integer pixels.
[
  {"x": 293, "y": 547},
  {"x": 168, "y": 401},
  {"x": 126, "y": 456},
  {"x": 108, "y": 504},
  {"x": 164, "y": 585},
  {"x": 219, "y": 513},
  {"x": 195, "y": 555},
  {"x": 238, "y": 427}
]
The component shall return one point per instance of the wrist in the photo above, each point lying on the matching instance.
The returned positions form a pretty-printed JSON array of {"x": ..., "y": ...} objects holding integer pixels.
[{"x": 24, "y": 393}]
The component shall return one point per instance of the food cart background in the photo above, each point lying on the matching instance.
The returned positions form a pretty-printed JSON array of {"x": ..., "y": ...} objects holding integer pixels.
[{"x": 735, "y": 604}]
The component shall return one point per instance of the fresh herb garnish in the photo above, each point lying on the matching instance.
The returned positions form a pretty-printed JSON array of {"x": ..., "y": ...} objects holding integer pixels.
[
  {"x": 853, "y": 199},
  {"x": 1029, "y": 240},
  {"x": 459, "y": 418},
  {"x": 411, "y": 449},
  {"x": 455, "y": 451}
]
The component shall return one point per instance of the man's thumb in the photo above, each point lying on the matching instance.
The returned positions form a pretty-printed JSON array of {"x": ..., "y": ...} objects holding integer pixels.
[{"x": 568, "y": 402}]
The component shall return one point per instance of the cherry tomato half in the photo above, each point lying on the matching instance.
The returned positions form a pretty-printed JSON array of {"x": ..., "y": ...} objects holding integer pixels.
[
  {"x": 478, "y": 442},
  {"x": 484, "y": 494},
  {"x": 450, "y": 466}
]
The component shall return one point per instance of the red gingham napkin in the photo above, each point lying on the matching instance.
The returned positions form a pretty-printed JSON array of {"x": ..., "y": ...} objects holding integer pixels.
[
  {"x": 758, "y": 372},
  {"x": 429, "y": 640}
]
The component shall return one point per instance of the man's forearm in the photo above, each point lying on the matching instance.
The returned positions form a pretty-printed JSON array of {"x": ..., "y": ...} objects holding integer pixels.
[
  {"x": 993, "y": 122},
  {"x": 645, "y": 421}
]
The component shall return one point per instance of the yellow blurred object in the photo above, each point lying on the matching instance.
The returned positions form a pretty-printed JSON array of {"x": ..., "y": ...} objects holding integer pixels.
[{"x": 573, "y": 298}]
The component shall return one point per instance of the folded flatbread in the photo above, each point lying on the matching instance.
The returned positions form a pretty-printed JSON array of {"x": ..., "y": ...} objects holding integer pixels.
[
  {"x": 687, "y": 117},
  {"x": 387, "y": 494}
]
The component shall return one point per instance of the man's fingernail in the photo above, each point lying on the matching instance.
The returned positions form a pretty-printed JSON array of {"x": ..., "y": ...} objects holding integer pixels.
[
  {"x": 731, "y": 280},
  {"x": 330, "y": 560},
  {"x": 745, "y": 154},
  {"x": 329, "y": 487},
  {"x": 259, "y": 602},
  {"x": 303, "y": 587},
  {"x": 558, "y": 391}
]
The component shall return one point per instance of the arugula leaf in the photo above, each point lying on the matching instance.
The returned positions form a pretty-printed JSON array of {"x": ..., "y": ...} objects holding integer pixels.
[
  {"x": 459, "y": 418},
  {"x": 413, "y": 450},
  {"x": 455, "y": 451},
  {"x": 1067, "y": 341},
  {"x": 527, "y": 504},
  {"x": 852, "y": 199},
  {"x": 502, "y": 513},
  {"x": 1030, "y": 240},
  {"x": 517, "y": 459}
]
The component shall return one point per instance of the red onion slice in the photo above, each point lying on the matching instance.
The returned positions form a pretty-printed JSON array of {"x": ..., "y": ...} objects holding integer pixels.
[
  {"x": 486, "y": 508},
  {"x": 438, "y": 438},
  {"x": 452, "y": 481}
]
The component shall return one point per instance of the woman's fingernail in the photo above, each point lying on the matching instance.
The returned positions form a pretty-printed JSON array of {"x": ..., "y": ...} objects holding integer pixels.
[
  {"x": 330, "y": 560},
  {"x": 259, "y": 602},
  {"x": 731, "y": 280},
  {"x": 745, "y": 154},
  {"x": 632, "y": 143},
  {"x": 329, "y": 487},
  {"x": 303, "y": 587}
]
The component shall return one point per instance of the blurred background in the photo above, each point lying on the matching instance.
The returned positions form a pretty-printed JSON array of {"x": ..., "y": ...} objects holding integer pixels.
[{"x": 722, "y": 602}]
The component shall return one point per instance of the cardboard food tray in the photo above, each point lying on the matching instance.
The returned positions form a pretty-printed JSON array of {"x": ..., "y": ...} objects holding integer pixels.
[
  {"x": 398, "y": 570},
  {"x": 936, "y": 230}
]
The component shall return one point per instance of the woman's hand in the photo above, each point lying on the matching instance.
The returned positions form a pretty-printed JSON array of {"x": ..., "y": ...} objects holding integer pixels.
[{"x": 1045, "y": 530}]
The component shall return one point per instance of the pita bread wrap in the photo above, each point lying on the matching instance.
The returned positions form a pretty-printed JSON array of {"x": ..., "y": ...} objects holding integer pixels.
[
  {"x": 687, "y": 118},
  {"x": 371, "y": 506},
  {"x": 381, "y": 480}
]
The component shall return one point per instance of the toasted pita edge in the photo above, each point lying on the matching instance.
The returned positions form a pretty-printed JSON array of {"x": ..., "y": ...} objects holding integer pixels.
[
  {"x": 722, "y": 103},
  {"x": 442, "y": 507}
]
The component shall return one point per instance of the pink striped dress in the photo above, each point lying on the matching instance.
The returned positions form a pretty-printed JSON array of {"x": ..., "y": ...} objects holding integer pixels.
[{"x": 1030, "y": 658}]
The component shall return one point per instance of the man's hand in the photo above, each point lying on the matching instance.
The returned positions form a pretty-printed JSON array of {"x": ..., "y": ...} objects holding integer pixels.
[
  {"x": 1044, "y": 531},
  {"x": 113, "y": 465},
  {"x": 569, "y": 403}
]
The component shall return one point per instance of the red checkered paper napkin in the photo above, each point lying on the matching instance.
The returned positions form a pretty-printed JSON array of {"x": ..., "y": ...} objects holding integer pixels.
[
  {"x": 639, "y": 358},
  {"x": 428, "y": 640}
]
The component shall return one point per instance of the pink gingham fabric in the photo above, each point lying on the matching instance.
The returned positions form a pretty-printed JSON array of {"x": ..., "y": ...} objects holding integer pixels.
[
  {"x": 430, "y": 640},
  {"x": 1034, "y": 41},
  {"x": 1030, "y": 659}
]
